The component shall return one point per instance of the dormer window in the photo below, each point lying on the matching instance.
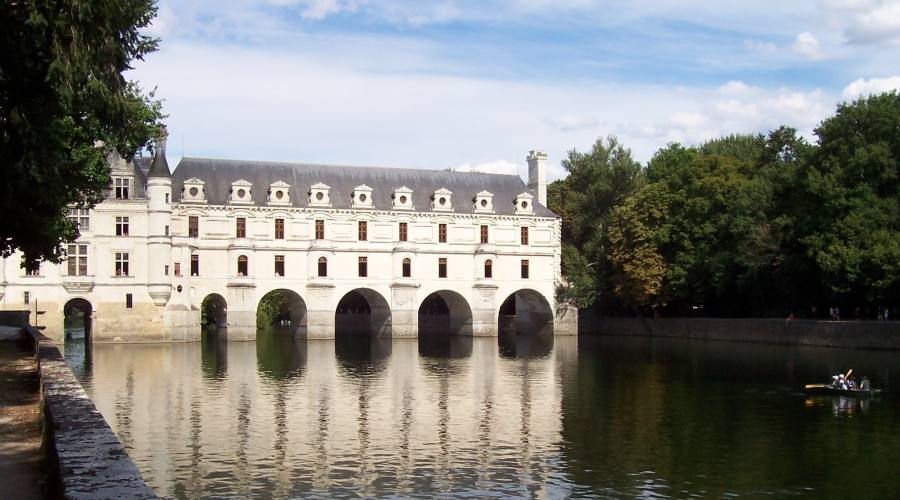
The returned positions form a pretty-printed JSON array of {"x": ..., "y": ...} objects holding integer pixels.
[
  {"x": 240, "y": 192},
  {"x": 279, "y": 193},
  {"x": 524, "y": 204},
  {"x": 484, "y": 203},
  {"x": 440, "y": 201},
  {"x": 193, "y": 191},
  {"x": 362, "y": 197},
  {"x": 122, "y": 187},
  {"x": 402, "y": 199},
  {"x": 318, "y": 195}
]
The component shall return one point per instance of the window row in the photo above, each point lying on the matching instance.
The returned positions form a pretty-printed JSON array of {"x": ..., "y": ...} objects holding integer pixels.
[
  {"x": 240, "y": 230},
  {"x": 362, "y": 267},
  {"x": 77, "y": 265}
]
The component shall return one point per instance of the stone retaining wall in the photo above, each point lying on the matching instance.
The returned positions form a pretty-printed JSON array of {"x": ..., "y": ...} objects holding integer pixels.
[
  {"x": 87, "y": 458},
  {"x": 854, "y": 334}
]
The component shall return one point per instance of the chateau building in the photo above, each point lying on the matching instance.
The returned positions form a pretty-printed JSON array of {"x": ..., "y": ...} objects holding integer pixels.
[{"x": 397, "y": 251}]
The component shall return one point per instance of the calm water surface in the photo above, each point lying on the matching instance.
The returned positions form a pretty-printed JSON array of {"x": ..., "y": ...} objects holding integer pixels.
[{"x": 523, "y": 417}]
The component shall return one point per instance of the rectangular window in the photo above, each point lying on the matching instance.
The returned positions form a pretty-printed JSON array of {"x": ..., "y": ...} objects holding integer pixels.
[
  {"x": 442, "y": 233},
  {"x": 76, "y": 260},
  {"x": 81, "y": 218},
  {"x": 363, "y": 267},
  {"x": 129, "y": 302},
  {"x": 403, "y": 231},
  {"x": 323, "y": 266},
  {"x": 484, "y": 234},
  {"x": 442, "y": 267},
  {"x": 279, "y": 265},
  {"x": 524, "y": 269},
  {"x": 363, "y": 230},
  {"x": 193, "y": 226},
  {"x": 407, "y": 268},
  {"x": 121, "y": 263},
  {"x": 524, "y": 233},
  {"x": 178, "y": 269},
  {"x": 167, "y": 230},
  {"x": 320, "y": 229},
  {"x": 26, "y": 297},
  {"x": 121, "y": 226},
  {"x": 166, "y": 270},
  {"x": 122, "y": 187},
  {"x": 195, "y": 265},
  {"x": 167, "y": 198},
  {"x": 240, "y": 227},
  {"x": 279, "y": 229}
]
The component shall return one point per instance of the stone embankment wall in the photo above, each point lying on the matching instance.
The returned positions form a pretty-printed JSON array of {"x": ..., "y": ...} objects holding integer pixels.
[
  {"x": 86, "y": 457},
  {"x": 854, "y": 334}
]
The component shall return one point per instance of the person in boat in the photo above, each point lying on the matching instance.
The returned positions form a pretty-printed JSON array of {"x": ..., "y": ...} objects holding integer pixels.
[
  {"x": 864, "y": 384},
  {"x": 843, "y": 382},
  {"x": 835, "y": 382},
  {"x": 851, "y": 384}
]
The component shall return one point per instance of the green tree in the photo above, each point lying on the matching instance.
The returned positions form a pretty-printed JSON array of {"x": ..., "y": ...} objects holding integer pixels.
[
  {"x": 64, "y": 105},
  {"x": 638, "y": 267},
  {"x": 598, "y": 181},
  {"x": 849, "y": 215}
]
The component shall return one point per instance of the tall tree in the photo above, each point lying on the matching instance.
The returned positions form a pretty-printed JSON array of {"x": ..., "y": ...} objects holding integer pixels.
[
  {"x": 64, "y": 105},
  {"x": 850, "y": 214},
  {"x": 598, "y": 181}
]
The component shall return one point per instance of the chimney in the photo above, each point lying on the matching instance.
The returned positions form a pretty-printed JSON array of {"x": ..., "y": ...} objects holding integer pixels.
[{"x": 537, "y": 175}]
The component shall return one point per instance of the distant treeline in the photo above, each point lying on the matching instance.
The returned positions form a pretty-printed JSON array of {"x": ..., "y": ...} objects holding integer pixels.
[{"x": 741, "y": 226}]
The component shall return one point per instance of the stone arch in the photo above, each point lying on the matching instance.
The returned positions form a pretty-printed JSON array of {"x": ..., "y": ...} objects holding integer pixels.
[
  {"x": 362, "y": 311},
  {"x": 525, "y": 311},
  {"x": 214, "y": 314},
  {"x": 77, "y": 319},
  {"x": 282, "y": 310},
  {"x": 445, "y": 312}
]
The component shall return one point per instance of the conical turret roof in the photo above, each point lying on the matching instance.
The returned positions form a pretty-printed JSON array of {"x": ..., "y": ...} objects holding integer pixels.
[{"x": 159, "y": 167}]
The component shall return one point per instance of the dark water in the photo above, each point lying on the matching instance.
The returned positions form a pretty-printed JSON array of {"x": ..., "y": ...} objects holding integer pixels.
[{"x": 526, "y": 417}]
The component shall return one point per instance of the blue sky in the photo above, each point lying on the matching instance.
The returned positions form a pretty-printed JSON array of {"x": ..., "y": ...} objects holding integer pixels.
[{"x": 476, "y": 84}]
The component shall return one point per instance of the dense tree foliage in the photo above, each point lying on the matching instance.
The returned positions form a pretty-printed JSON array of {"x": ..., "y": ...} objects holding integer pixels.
[
  {"x": 598, "y": 181},
  {"x": 64, "y": 105},
  {"x": 745, "y": 225}
]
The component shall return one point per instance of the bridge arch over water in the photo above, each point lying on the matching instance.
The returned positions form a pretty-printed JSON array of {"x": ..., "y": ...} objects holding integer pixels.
[
  {"x": 445, "y": 312},
  {"x": 525, "y": 311},
  {"x": 363, "y": 311},
  {"x": 77, "y": 318},
  {"x": 284, "y": 310}
]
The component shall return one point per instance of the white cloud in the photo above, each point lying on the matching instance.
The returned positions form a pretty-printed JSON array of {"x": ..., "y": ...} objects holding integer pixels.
[
  {"x": 759, "y": 46},
  {"x": 260, "y": 103},
  {"x": 863, "y": 87},
  {"x": 878, "y": 25},
  {"x": 494, "y": 167},
  {"x": 572, "y": 121},
  {"x": 807, "y": 45}
]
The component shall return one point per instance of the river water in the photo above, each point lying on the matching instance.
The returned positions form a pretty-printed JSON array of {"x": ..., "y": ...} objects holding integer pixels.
[{"x": 523, "y": 417}]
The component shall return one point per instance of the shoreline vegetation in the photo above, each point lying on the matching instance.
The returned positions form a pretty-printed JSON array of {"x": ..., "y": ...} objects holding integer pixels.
[{"x": 744, "y": 226}]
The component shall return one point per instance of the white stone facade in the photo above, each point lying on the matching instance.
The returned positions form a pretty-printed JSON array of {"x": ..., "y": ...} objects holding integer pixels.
[{"x": 147, "y": 259}]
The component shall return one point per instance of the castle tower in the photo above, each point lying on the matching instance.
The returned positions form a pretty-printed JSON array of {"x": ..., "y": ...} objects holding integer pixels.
[
  {"x": 537, "y": 175},
  {"x": 159, "y": 251}
]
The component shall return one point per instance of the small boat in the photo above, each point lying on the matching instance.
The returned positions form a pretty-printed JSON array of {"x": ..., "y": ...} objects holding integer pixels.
[{"x": 828, "y": 390}]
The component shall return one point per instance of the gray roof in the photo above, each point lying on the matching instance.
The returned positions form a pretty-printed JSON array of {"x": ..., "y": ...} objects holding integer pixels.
[
  {"x": 141, "y": 165},
  {"x": 159, "y": 167},
  {"x": 218, "y": 175}
]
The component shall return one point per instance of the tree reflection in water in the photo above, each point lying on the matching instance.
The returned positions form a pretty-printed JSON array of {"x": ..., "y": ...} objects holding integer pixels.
[{"x": 515, "y": 417}]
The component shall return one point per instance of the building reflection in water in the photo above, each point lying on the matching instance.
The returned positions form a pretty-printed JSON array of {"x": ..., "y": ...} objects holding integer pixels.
[{"x": 285, "y": 416}]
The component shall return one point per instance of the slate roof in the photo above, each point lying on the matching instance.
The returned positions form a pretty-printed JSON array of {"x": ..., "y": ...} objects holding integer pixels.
[
  {"x": 219, "y": 174},
  {"x": 159, "y": 167}
]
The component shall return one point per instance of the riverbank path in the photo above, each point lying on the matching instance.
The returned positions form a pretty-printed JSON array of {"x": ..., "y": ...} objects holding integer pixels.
[{"x": 21, "y": 463}]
